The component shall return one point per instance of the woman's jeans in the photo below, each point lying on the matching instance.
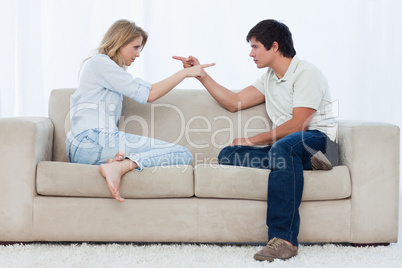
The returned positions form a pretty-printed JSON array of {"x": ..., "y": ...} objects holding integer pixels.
[
  {"x": 95, "y": 147},
  {"x": 286, "y": 159}
]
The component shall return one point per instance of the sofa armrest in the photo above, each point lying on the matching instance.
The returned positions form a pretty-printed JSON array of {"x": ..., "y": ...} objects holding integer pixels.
[
  {"x": 24, "y": 143},
  {"x": 371, "y": 152}
]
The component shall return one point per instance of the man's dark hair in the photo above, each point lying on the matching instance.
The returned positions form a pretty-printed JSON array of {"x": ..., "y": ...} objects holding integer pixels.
[{"x": 268, "y": 31}]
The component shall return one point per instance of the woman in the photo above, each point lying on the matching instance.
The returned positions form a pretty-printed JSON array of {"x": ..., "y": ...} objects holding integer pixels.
[{"x": 96, "y": 105}]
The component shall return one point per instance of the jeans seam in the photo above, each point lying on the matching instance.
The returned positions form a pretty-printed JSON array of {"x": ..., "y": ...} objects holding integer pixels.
[
  {"x": 294, "y": 192},
  {"x": 99, "y": 146},
  {"x": 294, "y": 181}
]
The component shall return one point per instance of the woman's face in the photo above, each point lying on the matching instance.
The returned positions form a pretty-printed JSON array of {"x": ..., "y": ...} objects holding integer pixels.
[{"x": 131, "y": 51}]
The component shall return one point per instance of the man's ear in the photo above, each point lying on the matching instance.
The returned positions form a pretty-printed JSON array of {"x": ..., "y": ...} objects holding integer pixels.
[{"x": 275, "y": 46}]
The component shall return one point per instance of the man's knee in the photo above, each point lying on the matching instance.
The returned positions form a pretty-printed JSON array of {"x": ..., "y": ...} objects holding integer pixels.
[
  {"x": 281, "y": 147},
  {"x": 226, "y": 155},
  {"x": 281, "y": 155}
]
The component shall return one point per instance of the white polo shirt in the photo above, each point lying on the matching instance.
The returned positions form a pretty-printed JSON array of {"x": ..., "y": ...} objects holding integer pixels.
[{"x": 303, "y": 85}]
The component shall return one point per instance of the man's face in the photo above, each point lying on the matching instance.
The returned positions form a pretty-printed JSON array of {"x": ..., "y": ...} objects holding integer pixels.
[{"x": 261, "y": 56}]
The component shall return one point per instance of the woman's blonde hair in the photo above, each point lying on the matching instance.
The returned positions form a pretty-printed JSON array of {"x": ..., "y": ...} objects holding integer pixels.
[{"x": 118, "y": 35}]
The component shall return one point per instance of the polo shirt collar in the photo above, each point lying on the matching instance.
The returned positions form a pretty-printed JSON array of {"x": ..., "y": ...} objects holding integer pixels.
[{"x": 291, "y": 69}]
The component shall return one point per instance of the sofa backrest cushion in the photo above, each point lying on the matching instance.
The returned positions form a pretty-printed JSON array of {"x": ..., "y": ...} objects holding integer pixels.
[{"x": 191, "y": 118}]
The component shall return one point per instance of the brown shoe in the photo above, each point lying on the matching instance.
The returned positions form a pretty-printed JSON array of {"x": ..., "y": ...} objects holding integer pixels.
[
  {"x": 320, "y": 162},
  {"x": 276, "y": 249}
]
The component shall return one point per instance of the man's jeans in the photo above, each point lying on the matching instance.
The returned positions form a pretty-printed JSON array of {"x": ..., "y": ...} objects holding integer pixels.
[
  {"x": 286, "y": 159},
  {"x": 95, "y": 147}
]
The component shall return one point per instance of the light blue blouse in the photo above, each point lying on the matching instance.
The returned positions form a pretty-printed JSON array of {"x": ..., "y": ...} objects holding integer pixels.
[{"x": 97, "y": 103}]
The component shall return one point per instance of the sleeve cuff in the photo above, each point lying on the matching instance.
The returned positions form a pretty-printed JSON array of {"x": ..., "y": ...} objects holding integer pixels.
[{"x": 143, "y": 91}]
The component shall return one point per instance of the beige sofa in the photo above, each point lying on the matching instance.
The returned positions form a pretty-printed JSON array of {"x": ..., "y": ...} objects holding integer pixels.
[{"x": 46, "y": 198}]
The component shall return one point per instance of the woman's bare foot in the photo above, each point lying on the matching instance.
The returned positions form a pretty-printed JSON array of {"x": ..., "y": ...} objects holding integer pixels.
[
  {"x": 113, "y": 177},
  {"x": 113, "y": 172},
  {"x": 118, "y": 157}
]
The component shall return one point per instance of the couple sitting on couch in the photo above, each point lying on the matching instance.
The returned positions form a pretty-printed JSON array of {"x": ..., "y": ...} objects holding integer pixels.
[{"x": 297, "y": 101}]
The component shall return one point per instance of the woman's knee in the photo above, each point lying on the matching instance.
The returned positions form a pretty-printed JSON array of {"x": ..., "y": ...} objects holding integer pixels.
[{"x": 186, "y": 158}]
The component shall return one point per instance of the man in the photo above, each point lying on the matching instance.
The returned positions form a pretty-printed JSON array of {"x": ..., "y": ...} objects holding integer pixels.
[{"x": 298, "y": 102}]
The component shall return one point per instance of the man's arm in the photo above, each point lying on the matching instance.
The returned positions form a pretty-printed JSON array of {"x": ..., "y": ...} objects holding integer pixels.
[
  {"x": 299, "y": 122},
  {"x": 248, "y": 97}
]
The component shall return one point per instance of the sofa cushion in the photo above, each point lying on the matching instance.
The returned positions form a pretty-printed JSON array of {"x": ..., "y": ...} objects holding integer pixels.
[
  {"x": 68, "y": 179},
  {"x": 220, "y": 181}
]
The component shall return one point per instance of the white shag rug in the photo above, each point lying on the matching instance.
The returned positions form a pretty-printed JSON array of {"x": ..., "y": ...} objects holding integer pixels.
[{"x": 191, "y": 255}]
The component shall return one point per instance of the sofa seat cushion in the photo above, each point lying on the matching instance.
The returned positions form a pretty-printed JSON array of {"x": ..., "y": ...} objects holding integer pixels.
[
  {"x": 220, "y": 181},
  {"x": 69, "y": 179}
]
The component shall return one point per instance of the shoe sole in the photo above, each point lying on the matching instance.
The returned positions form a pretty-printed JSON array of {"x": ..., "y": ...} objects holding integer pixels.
[
  {"x": 270, "y": 259},
  {"x": 263, "y": 258},
  {"x": 320, "y": 162}
]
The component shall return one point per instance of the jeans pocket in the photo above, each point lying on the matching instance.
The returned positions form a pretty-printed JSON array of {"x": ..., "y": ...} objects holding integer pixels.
[{"x": 87, "y": 151}]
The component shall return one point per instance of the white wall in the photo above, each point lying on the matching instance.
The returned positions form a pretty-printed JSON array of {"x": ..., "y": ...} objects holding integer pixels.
[{"x": 355, "y": 43}]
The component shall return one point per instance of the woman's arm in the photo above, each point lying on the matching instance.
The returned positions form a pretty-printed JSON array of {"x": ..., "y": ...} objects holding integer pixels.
[
  {"x": 159, "y": 89},
  {"x": 109, "y": 75}
]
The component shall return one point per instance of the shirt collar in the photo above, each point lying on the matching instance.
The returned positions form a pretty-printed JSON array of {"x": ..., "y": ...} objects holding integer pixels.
[{"x": 291, "y": 69}]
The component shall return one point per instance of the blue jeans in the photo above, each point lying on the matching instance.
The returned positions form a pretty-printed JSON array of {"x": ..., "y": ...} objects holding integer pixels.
[
  {"x": 95, "y": 147},
  {"x": 286, "y": 159}
]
